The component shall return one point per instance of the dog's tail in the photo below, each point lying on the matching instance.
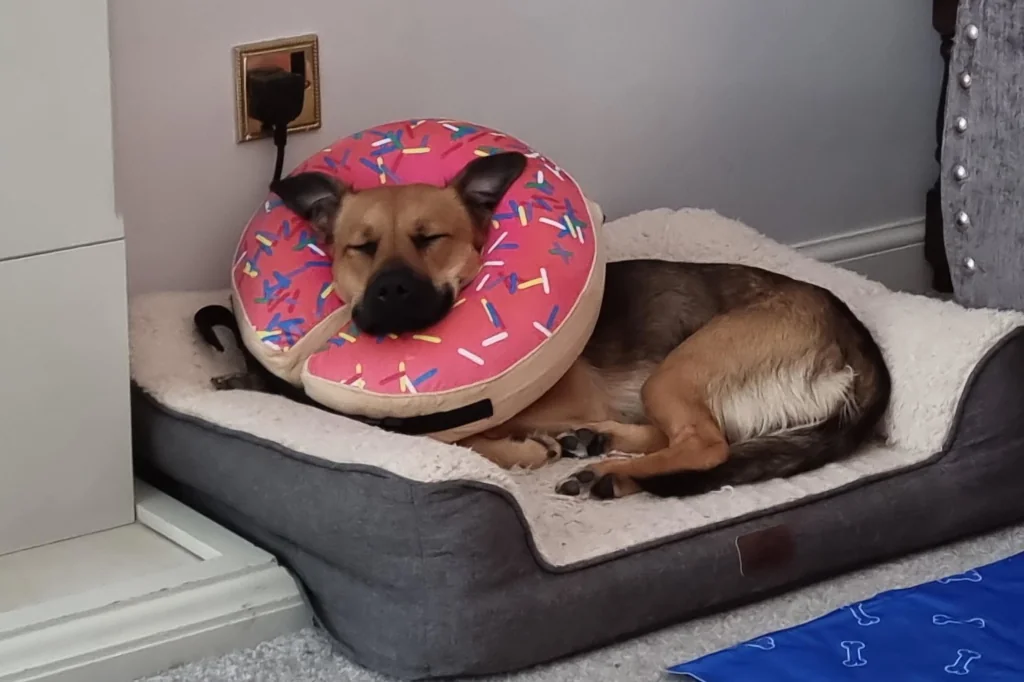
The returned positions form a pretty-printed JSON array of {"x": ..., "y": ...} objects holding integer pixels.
[
  {"x": 209, "y": 317},
  {"x": 794, "y": 450},
  {"x": 256, "y": 377}
]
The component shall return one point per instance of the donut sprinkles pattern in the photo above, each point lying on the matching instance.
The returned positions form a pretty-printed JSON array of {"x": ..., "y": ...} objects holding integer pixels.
[{"x": 537, "y": 262}]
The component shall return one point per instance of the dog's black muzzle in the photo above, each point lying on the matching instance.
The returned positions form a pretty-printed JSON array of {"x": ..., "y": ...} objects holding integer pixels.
[{"x": 398, "y": 300}]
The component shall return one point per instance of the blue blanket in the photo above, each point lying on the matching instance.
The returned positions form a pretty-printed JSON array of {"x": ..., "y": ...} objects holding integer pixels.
[{"x": 968, "y": 626}]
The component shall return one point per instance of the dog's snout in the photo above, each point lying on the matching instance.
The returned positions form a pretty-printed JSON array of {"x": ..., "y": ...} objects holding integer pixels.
[
  {"x": 394, "y": 286},
  {"x": 398, "y": 299}
]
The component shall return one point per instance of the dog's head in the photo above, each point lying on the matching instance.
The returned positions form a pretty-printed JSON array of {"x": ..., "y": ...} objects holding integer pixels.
[{"x": 402, "y": 252}]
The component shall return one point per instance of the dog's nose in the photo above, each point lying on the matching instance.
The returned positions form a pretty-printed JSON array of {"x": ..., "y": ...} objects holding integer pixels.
[
  {"x": 398, "y": 299},
  {"x": 393, "y": 286}
]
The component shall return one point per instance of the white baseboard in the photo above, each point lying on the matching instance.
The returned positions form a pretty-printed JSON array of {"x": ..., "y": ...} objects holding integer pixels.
[
  {"x": 234, "y": 596},
  {"x": 892, "y": 254}
]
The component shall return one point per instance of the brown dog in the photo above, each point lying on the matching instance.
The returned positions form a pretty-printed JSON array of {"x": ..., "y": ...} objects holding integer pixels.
[{"x": 711, "y": 374}]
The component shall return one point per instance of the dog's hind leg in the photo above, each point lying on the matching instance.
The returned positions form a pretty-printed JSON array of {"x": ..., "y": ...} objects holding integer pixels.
[{"x": 720, "y": 386}]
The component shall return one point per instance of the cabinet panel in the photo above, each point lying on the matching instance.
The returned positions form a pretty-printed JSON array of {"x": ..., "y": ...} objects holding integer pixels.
[
  {"x": 65, "y": 452},
  {"x": 56, "y": 149}
]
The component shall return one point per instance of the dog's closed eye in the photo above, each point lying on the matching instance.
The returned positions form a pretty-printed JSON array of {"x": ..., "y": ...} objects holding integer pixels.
[
  {"x": 368, "y": 248},
  {"x": 422, "y": 241}
]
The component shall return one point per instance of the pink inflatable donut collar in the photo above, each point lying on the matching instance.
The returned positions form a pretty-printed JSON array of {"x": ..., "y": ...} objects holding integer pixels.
[{"x": 539, "y": 262}]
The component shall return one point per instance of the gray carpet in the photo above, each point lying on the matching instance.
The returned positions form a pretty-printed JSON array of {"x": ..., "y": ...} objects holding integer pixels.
[{"x": 307, "y": 656}]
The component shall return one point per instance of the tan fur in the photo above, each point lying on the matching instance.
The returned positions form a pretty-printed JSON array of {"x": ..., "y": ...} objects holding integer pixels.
[
  {"x": 508, "y": 453},
  {"x": 757, "y": 354},
  {"x": 695, "y": 367},
  {"x": 768, "y": 366},
  {"x": 392, "y": 216}
]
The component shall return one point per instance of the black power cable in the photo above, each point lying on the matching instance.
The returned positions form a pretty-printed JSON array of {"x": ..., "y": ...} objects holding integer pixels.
[{"x": 275, "y": 99}]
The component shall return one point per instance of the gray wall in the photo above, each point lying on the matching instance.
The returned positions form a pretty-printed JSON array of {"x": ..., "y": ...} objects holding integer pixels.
[{"x": 802, "y": 118}]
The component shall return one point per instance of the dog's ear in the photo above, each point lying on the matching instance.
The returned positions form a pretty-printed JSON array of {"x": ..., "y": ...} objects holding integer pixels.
[
  {"x": 314, "y": 196},
  {"x": 482, "y": 183}
]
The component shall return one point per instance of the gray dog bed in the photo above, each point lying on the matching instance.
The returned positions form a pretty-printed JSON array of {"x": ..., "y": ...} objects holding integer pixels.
[{"x": 423, "y": 560}]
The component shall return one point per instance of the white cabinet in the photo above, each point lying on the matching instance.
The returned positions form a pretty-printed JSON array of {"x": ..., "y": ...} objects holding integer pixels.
[
  {"x": 56, "y": 150},
  {"x": 65, "y": 464},
  {"x": 65, "y": 458},
  {"x": 94, "y": 592}
]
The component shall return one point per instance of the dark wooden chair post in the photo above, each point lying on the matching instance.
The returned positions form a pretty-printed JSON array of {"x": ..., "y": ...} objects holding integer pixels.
[{"x": 944, "y": 22}]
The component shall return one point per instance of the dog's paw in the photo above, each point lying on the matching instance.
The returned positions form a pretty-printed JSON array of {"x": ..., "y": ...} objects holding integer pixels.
[
  {"x": 583, "y": 443},
  {"x": 552, "y": 448},
  {"x": 241, "y": 381},
  {"x": 588, "y": 482},
  {"x": 597, "y": 482},
  {"x": 536, "y": 449}
]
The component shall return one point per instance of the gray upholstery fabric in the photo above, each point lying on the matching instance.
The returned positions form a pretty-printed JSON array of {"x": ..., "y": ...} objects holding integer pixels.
[
  {"x": 991, "y": 149},
  {"x": 427, "y": 580}
]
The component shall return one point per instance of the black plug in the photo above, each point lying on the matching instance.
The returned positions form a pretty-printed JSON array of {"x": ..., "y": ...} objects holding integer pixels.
[{"x": 275, "y": 99}]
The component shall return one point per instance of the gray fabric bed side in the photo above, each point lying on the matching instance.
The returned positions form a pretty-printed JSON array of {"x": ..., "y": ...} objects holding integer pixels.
[
  {"x": 983, "y": 155},
  {"x": 428, "y": 580}
]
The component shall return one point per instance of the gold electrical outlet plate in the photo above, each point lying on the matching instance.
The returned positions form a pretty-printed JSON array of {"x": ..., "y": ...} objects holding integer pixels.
[{"x": 300, "y": 54}]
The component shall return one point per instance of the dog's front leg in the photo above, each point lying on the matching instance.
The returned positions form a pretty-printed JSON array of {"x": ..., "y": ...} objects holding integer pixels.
[
  {"x": 533, "y": 449},
  {"x": 601, "y": 438},
  {"x": 530, "y": 452}
]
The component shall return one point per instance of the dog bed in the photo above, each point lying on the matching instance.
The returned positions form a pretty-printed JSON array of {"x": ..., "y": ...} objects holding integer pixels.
[{"x": 424, "y": 560}]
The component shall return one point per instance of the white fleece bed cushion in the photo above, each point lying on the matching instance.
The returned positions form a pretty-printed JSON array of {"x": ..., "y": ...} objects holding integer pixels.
[{"x": 931, "y": 347}]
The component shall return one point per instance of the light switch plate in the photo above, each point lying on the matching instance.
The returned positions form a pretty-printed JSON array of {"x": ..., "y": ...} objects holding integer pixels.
[{"x": 299, "y": 54}]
